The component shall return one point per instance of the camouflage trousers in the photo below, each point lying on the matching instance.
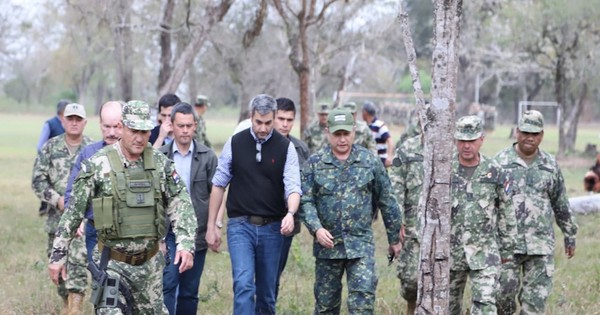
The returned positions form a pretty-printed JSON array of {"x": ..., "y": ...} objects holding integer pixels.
[
  {"x": 536, "y": 280},
  {"x": 145, "y": 283},
  {"x": 408, "y": 265},
  {"x": 77, "y": 280},
  {"x": 484, "y": 288},
  {"x": 362, "y": 284}
]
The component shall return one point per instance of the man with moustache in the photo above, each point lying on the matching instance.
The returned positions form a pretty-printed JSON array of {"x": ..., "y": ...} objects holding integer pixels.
[
  {"x": 539, "y": 197},
  {"x": 111, "y": 128},
  {"x": 133, "y": 188}
]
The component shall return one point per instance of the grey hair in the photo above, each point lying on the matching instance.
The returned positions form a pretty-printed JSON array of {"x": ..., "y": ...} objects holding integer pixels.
[
  {"x": 263, "y": 104},
  {"x": 182, "y": 108},
  {"x": 370, "y": 108}
]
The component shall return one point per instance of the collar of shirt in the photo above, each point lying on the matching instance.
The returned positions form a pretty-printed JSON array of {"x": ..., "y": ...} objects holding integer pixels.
[
  {"x": 258, "y": 140},
  {"x": 176, "y": 149}
]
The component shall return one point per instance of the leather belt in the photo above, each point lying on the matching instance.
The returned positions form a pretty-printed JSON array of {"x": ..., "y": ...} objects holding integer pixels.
[
  {"x": 260, "y": 221},
  {"x": 132, "y": 259}
]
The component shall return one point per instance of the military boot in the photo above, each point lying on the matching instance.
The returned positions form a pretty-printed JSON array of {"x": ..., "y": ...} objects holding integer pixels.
[{"x": 75, "y": 304}]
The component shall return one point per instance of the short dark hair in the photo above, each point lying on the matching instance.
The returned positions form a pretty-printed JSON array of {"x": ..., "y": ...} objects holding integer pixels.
[
  {"x": 61, "y": 105},
  {"x": 168, "y": 100},
  {"x": 182, "y": 108},
  {"x": 370, "y": 108},
  {"x": 285, "y": 104}
]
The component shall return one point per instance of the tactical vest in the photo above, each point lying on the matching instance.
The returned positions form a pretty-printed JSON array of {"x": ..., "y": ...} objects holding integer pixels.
[{"x": 135, "y": 208}]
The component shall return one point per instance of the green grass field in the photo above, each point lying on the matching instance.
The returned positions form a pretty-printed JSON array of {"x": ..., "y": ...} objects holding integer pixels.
[{"x": 26, "y": 288}]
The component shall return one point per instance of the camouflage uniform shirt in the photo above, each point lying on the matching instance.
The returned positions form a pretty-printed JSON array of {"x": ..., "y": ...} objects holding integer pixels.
[
  {"x": 340, "y": 195},
  {"x": 201, "y": 131},
  {"x": 539, "y": 196},
  {"x": 94, "y": 181},
  {"x": 314, "y": 137},
  {"x": 364, "y": 136},
  {"x": 51, "y": 173},
  {"x": 407, "y": 181},
  {"x": 483, "y": 224}
]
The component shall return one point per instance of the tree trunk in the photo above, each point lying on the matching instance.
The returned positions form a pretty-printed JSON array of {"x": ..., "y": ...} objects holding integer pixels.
[
  {"x": 560, "y": 87},
  {"x": 123, "y": 48},
  {"x": 436, "y": 202},
  {"x": 573, "y": 118},
  {"x": 166, "y": 54},
  {"x": 214, "y": 14}
]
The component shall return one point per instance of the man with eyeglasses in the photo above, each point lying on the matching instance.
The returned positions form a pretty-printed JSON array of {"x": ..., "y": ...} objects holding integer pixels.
[
  {"x": 539, "y": 196},
  {"x": 261, "y": 168}
]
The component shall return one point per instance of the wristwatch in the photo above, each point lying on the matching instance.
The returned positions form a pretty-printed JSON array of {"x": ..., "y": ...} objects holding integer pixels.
[{"x": 219, "y": 224}]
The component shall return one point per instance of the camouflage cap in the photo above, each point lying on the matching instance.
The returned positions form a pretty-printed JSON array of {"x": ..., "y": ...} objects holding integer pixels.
[
  {"x": 340, "y": 119},
  {"x": 351, "y": 106},
  {"x": 74, "y": 109},
  {"x": 136, "y": 115},
  {"x": 202, "y": 100},
  {"x": 531, "y": 121},
  {"x": 468, "y": 128},
  {"x": 323, "y": 108}
]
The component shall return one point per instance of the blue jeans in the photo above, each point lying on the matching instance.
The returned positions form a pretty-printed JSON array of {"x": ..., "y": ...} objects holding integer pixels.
[
  {"x": 91, "y": 239},
  {"x": 255, "y": 252},
  {"x": 180, "y": 290},
  {"x": 285, "y": 252}
]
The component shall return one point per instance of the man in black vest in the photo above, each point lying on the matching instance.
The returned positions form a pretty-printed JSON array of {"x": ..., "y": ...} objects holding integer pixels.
[{"x": 261, "y": 168}]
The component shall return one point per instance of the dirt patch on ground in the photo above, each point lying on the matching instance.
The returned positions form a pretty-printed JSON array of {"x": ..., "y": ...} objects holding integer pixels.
[{"x": 575, "y": 161}]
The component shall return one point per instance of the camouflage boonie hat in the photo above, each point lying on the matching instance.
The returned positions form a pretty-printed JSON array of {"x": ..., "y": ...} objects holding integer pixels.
[
  {"x": 468, "y": 128},
  {"x": 136, "y": 115},
  {"x": 323, "y": 109},
  {"x": 74, "y": 109},
  {"x": 202, "y": 100},
  {"x": 340, "y": 119},
  {"x": 351, "y": 106},
  {"x": 531, "y": 121}
]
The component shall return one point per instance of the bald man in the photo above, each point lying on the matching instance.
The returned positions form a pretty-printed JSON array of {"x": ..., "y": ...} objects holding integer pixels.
[{"x": 111, "y": 127}]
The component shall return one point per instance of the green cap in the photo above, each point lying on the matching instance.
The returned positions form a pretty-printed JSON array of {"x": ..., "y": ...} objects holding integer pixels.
[
  {"x": 202, "y": 100},
  {"x": 351, "y": 106},
  {"x": 323, "y": 108},
  {"x": 340, "y": 119},
  {"x": 136, "y": 115},
  {"x": 531, "y": 121},
  {"x": 468, "y": 128}
]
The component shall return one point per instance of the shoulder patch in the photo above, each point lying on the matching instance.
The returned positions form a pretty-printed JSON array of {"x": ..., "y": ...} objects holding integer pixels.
[{"x": 175, "y": 176}]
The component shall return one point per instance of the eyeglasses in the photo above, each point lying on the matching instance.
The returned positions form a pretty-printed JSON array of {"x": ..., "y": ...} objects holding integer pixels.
[{"x": 258, "y": 154}]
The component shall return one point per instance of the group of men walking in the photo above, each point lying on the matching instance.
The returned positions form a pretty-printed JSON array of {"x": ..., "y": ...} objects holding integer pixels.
[
  {"x": 503, "y": 209},
  {"x": 124, "y": 199}
]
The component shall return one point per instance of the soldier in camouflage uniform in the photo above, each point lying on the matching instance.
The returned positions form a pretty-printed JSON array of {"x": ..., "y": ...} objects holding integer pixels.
[
  {"x": 538, "y": 195},
  {"x": 364, "y": 136},
  {"x": 49, "y": 181},
  {"x": 145, "y": 181},
  {"x": 314, "y": 135},
  {"x": 406, "y": 175},
  {"x": 340, "y": 186},
  {"x": 483, "y": 224},
  {"x": 201, "y": 106}
]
